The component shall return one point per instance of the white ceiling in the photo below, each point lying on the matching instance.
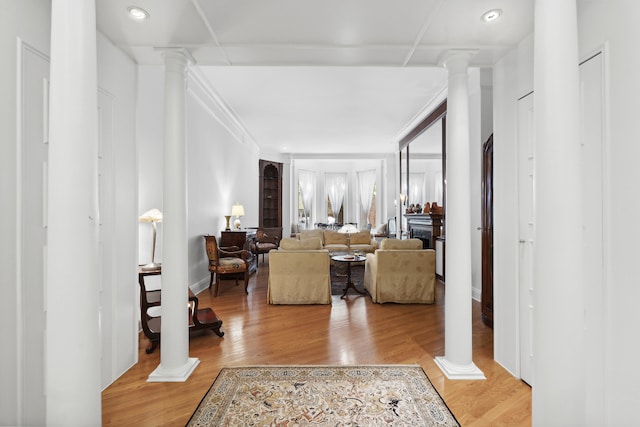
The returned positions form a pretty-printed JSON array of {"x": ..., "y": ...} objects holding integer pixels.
[{"x": 308, "y": 77}]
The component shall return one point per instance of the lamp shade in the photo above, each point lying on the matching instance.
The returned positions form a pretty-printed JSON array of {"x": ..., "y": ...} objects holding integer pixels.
[
  {"x": 154, "y": 215},
  {"x": 237, "y": 210}
]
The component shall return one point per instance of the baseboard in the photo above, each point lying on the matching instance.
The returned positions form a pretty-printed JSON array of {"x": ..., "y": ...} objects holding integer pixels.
[{"x": 200, "y": 286}]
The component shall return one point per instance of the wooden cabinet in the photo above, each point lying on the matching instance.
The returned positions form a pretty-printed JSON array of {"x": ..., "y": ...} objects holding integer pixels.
[
  {"x": 270, "y": 204},
  {"x": 242, "y": 239}
]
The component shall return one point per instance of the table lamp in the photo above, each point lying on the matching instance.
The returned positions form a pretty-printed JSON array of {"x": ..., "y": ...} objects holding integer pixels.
[
  {"x": 237, "y": 210},
  {"x": 152, "y": 216}
]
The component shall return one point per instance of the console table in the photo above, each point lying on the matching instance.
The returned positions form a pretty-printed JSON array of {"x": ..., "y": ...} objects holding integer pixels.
[{"x": 241, "y": 239}]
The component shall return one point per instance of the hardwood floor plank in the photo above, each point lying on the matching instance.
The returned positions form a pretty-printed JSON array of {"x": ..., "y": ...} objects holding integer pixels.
[{"x": 348, "y": 332}]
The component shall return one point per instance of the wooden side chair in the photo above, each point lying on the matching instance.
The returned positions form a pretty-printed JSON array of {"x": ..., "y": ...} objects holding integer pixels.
[
  {"x": 227, "y": 261},
  {"x": 265, "y": 240},
  {"x": 198, "y": 318}
]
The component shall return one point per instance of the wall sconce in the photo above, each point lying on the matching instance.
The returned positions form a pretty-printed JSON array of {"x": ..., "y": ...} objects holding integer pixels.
[
  {"x": 152, "y": 216},
  {"x": 237, "y": 210}
]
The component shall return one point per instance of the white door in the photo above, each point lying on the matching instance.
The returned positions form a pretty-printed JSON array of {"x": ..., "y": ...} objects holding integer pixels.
[
  {"x": 106, "y": 248},
  {"x": 526, "y": 205},
  {"x": 34, "y": 152},
  {"x": 592, "y": 131}
]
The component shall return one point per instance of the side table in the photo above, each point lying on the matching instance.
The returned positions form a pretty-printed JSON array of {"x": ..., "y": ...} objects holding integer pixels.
[{"x": 349, "y": 259}]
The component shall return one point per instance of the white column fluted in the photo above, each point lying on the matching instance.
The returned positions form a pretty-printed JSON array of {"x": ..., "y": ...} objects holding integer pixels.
[
  {"x": 175, "y": 363},
  {"x": 558, "y": 394},
  {"x": 72, "y": 349},
  {"x": 457, "y": 362}
]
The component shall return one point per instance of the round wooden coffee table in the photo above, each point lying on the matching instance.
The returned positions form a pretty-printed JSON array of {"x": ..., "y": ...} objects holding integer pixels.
[{"x": 349, "y": 259}]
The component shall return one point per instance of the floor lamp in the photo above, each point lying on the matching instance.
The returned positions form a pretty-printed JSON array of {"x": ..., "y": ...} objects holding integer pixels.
[{"x": 152, "y": 216}]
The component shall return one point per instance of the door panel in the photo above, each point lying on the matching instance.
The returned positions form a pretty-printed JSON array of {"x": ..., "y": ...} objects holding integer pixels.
[
  {"x": 34, "y": 96},
  {"x": 526, "y": 222},
  {"x": 592, "y": 131}
]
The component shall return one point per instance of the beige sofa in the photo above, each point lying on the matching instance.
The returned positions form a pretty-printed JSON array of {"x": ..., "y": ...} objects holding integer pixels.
[
  {"x": 299, "y": 273},
  {"x": 334, "y": 241},
  {"x": 401, "y": 272}
]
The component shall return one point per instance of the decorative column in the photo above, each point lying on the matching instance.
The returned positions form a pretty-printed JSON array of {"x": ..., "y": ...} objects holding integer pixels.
[
  {"x": 558, "y": 393},
  {"x": 72, "y": 347},
  {"x": 457, "y": 362},
  {"x": 175, "y": 363}
]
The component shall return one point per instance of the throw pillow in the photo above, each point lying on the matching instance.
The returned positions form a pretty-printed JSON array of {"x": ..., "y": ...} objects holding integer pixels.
[
  {"x": 312, "y": 243},
  {"x": 401, "y": 244},
  {"x": 308, "y": 234},
  {"x": 334, "y": 238},
  {"x": 360, "y": 238}
]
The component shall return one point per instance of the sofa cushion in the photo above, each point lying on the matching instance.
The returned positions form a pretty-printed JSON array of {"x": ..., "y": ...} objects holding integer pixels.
[
  {"x": 334, "y": 238},
  {"x": 308, "y": 234},
  {"x": 401, "y": 244},
  {"x": 311, "y": 243},
  {"x": 360, "y": 238}
]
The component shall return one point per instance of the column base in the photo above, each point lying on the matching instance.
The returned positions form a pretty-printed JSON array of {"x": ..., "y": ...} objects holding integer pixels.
[
  {"x": 454, "y": 371},
  {"x": 160, "y": 375}
]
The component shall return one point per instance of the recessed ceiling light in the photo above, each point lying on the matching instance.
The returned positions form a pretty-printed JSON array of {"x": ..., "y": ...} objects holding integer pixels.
[
  {"x": 138, "y": 13},
  {"x": 491, "y": 15}
]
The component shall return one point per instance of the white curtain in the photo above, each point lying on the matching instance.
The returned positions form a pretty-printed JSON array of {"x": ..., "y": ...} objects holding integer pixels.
[
  {"x": 306, "y": 181},
  {"x": 366, "y": 183},
  {"x": 335, "y": 185}
]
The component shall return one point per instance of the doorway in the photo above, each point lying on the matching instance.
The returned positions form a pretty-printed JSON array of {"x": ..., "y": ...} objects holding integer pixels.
[{"x": 487, "y": 232}]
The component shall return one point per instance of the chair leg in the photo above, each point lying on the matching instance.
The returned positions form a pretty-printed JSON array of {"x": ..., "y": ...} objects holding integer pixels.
[
  {"x": 217, "y": 331},
  {"x": 211, "y": 280},
  {"x": 246, "y": 282},
  {"x": 152, "y": 347},
  {"x": 215, "y": 290}
]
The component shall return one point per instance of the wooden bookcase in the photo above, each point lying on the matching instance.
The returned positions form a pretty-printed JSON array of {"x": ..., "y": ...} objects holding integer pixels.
[{"x": 270, "y": 206}]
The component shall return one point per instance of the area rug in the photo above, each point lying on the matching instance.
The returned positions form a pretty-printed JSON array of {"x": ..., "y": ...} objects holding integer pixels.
[{"x": 369, "y": 395}]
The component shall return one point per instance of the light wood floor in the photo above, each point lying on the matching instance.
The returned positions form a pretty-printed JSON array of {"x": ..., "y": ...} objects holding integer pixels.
[{"x": 348, "y": 332}]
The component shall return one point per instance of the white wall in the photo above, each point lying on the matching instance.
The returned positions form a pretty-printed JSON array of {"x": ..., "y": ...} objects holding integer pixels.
[
  {"x": 222, "y": 171},
  {"x": 475, "y": 176},
  {"x": 512, "y": 79},
  {"x": 222, "y": 167},
  {"x": 611, "y": 25},
  {"x": 28, "y": 20},
  {"x": 614, "y": 25},
  {"x": 117, "y": 80}
]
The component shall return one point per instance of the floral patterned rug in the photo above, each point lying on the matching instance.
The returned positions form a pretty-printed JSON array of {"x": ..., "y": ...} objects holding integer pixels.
[{"x": 369, "y": 395}]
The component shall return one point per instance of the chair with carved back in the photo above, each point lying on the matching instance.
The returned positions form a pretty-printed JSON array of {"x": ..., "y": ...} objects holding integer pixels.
[
  {"x": 150, "y": 320},
  {"x": 226, "y": 261},
  {"x": 266, "y": 239}
]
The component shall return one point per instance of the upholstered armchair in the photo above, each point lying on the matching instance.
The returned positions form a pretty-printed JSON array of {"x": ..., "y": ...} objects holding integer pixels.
[
  {"x": 227, "y": 261},
  {"x": 266, "y": 239},
  {"x": 401, "y": 272},
  {"x": 299, "y": 273}
]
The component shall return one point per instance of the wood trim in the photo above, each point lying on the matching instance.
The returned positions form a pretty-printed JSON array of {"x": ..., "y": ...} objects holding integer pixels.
[{"x": 426, "y": 123}]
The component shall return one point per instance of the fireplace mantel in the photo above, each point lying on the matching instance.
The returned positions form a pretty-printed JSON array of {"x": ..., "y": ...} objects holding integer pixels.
[{"x": 426, "y": 227}]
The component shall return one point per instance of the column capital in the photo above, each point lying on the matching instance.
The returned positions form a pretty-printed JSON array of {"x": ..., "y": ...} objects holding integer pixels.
[
  {"x": 457, "y": 60},
  {"x": 176, "y": 53}
]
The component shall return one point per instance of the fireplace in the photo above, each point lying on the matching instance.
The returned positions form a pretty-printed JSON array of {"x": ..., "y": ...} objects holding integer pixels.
[{"x": 425, "y": 227}]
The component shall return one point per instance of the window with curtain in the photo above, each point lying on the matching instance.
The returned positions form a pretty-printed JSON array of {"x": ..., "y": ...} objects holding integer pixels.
[
  {"x": 306, "y": 185},
  {"x": 335, "y": 185},
  {"x": 367, "y": 185}
]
